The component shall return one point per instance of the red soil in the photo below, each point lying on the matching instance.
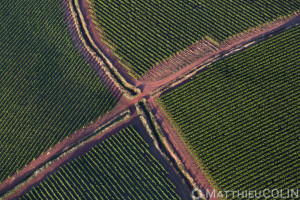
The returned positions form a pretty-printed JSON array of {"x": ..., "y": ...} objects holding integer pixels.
[
  {"x": 55, "y": 166},
  {"x": 181, "y": 62},
  {"x": 206, "y": 49},
  {"x": 147, "y": 89},
  {"x": 179, "y": 147},
  {"x": 83, "y": 51},
  {"x": 107, "y": 51},
  {"x": 150, "y": 86},
  {"x": 173, "y": 176}
]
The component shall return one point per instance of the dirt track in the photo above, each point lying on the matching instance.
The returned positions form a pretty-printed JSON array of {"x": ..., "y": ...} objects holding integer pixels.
[
  {"x": 177, "y": 144},
  {"x": 147, "y": 89},
  {"x": 228, "y": 45},
  {"x": 134, "y": 120},
  {"x": 94, "y": 32}
]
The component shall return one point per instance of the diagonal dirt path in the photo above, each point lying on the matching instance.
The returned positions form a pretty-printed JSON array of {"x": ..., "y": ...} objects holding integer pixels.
[
  {"x": 147, "y": 89},
  {"x": 228, "y": 46}
]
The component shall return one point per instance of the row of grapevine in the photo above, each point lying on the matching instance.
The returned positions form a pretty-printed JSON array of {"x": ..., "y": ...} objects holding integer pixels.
[
  {"x": 144, "y": 33},
  {"x": 47, "y": 89},
  {"x": 120, "y": 167},
  {"x": 240, "y": 117}
]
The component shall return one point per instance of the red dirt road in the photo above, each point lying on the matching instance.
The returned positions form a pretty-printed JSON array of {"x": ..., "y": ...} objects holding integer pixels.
[
  {"x": 228, "y": 45},
  {"x": 147, "y": 89},
  {"x": 182, "y": 152},
  {"x": 107, "y": 51},
  {"x": 173, "y": 176},
  {"x": 55, "y": 166}
]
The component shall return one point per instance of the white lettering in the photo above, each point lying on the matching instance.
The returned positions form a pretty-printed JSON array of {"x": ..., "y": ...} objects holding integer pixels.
[
  {"x": 208, "y": 195},
  {"x": 195, "y": 194},
  {"x": 240, "y": 194},
  {"x": 277, "y": 193},
  {"x": 251, "y": 194},
  {"x": 257, "y": 195},
  {"x": 293, "y": 192},
  {"x": 266, "y": 196}
]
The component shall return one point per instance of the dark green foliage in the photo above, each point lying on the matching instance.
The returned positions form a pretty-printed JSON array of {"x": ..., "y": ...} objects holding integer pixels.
[
  {"x": 120, "y": 167},
  {"x": 240, "y": 117},
  {"x": 144, "y": 33},
  {"x": 47, "y": 90}
]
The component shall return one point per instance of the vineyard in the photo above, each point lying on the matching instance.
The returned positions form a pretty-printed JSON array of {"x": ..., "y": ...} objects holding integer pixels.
[
  {"x": 144, "y": 33},
  {"x": 120, "y": 167},
  {"x": 47, "y": 89},
  {"x": 240, "y": 117}
]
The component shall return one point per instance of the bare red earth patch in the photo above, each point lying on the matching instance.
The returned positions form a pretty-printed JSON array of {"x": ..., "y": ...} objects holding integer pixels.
[{"x": 180, "y": 149}]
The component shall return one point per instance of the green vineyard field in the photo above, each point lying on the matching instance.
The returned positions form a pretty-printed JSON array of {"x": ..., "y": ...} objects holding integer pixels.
[
  {"x": 47, "y": 89},
  {"x": 143, "y": 33},
  {"x": 120, "y": 167},
  {"x": 240, "y": 117}
]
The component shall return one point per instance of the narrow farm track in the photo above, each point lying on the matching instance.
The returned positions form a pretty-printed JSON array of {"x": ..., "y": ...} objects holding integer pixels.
[
  {"x": 147, "y": 89},
  {"x": 180, "y": 149}
]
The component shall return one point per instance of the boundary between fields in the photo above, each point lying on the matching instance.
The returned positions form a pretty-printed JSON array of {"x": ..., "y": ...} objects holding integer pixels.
[
  {"x": 125, "y": 115},
  {"x": 130, "y": 93},
  {"x": 127, "y": 89},
  {"x": 163, "y": 145},
  {"x": 192, "y": 72}
]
